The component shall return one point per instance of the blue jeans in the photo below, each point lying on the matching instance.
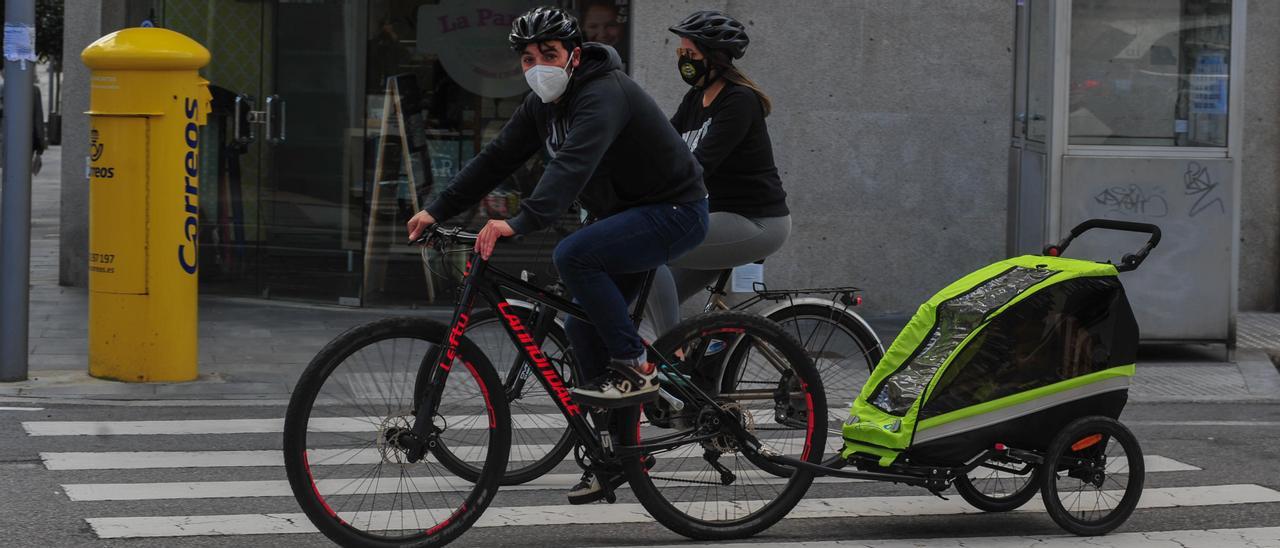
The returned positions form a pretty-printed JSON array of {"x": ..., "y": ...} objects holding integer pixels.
[{"x": 604, "y": 264}]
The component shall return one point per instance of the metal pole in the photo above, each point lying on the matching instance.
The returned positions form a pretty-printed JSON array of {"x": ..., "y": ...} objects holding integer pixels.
[
  {"x": 15, "y": 201},
  {"x": 49, "y": 109}
]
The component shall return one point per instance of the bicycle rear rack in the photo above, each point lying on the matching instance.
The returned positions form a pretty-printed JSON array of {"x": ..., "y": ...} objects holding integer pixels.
[{"x": 846, "y": 294}]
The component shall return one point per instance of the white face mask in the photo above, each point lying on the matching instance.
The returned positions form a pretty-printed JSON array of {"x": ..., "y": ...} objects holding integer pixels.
[{"x": 549, "y": 82}]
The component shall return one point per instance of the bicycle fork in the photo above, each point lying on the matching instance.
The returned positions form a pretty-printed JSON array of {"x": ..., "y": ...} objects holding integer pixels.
[{"x": 432, "y": 374}]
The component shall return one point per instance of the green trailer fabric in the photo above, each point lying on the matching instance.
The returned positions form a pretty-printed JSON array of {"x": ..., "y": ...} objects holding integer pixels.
[{"x": 1024, "y": 330}]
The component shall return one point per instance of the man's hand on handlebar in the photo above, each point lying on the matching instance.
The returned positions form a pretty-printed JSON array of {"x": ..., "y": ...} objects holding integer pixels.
[
  {"x": 420, "y": 228},
  {"x": 418, "y": 224},
  {"x": 489, "y": 237}
]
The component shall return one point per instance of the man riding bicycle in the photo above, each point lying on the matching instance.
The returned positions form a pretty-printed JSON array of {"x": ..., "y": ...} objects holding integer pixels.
[{"x": 610, "y": 147}]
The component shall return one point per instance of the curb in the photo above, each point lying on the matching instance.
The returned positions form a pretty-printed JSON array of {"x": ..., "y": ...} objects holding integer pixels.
[{"x": 77, "y": 385}]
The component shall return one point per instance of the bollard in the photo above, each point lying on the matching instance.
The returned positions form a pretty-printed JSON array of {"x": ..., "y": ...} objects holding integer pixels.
[{"x": 146, "y": 105}]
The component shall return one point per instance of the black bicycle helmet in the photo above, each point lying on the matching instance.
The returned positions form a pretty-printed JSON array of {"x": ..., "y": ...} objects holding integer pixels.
[
  {"x": 544, "y": 23},
  {"x": 711, "y": 29}
]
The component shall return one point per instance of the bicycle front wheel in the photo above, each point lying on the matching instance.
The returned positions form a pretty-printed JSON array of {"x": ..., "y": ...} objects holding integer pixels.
[
  {"x": 707, "y": 488},
  {"x": 349, "y": 415}
]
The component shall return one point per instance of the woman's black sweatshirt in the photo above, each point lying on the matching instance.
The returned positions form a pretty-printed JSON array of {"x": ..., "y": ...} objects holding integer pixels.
[{"x": 731, "y": 141}]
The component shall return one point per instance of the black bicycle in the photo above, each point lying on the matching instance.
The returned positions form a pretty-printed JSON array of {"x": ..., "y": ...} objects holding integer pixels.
[
  {"x": 399, "y": 431},
  {"x": 840, "y": 342}
]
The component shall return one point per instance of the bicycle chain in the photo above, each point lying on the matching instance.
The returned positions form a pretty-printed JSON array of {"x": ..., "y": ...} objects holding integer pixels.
[{"x": 681, "y": 480}]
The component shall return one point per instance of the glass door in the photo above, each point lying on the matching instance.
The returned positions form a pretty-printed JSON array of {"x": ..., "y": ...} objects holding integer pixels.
[
  {"x": 282, "y": 155},
  {"x": 313, "y": 131},
  {"x": 231, "y": 155}
]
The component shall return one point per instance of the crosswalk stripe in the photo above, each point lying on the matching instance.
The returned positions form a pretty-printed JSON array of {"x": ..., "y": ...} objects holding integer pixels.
[
  {"x": 236, "y": 489},
  {"x": 258, "y": 524},
  {"x": 269, "y": 425},
  {"x": 1151, "y": 463},
  {"x": 245, "y": 489},
  {"x": 258, "y": 426},
  {"x": 134, "y": 460},
  {"x": 138, "y": 460},
  {"x": 1210, "y": 538},
  {"x": 129, "y": 460},
  {"x": 1203, "y": 423},
  {"x": 21, "y": 409}
]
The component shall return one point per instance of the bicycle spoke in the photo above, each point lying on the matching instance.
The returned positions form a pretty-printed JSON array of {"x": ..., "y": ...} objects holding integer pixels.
[{"x": 708, "y": 479}]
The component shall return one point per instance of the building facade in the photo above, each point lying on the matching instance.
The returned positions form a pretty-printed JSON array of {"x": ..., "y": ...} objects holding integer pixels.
[{"x": 891, "y": 128}]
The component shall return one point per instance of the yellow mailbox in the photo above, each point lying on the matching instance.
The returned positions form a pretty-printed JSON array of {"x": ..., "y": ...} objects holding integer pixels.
[{"x": 146, "y": 105}]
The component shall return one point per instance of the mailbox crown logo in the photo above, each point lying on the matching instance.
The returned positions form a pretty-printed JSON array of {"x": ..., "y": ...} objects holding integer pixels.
[{"x": 95, "y": 148}]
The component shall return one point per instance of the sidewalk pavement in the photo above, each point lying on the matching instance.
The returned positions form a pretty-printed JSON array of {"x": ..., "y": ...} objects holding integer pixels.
[{"x": 253, "y": 350}]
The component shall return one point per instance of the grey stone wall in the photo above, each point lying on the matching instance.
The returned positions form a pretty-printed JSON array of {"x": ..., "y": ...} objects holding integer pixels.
[
  {"x": 87, "y": 22},
  {"x": 890, "y": 128},
  {"x": 1260, "y": 189}
]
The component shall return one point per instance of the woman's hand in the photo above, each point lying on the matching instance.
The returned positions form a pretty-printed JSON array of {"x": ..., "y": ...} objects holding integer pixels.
[
  {"x": 489, "y": 237},
  {"x": 420, "y": 221}
]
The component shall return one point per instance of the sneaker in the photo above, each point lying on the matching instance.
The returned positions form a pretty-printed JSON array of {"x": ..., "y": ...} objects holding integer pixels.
[
  {"x": 624, "y": 386},
  {"x": 589, "y": 489}
]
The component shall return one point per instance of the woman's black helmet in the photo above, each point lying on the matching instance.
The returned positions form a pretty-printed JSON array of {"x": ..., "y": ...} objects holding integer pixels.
[
  {"x": 542, "y": 24},
  {"x": 714, "y": 30}
]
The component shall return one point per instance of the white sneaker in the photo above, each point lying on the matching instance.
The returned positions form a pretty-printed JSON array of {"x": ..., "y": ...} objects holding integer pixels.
[
  {"x": 589, "y": 490},
  {"x": 625, "y": 385}
]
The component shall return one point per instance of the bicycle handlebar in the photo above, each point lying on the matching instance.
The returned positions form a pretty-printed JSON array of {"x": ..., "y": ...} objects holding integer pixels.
[{"x": 438, "y": 234}]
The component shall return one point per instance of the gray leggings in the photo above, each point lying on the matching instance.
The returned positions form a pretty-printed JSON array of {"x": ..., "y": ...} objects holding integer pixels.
[{"x": 732, "y": 240}]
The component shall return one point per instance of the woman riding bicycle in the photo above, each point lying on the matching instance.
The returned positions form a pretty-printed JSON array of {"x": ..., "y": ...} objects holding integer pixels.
[
  {"x": 611, "y": 148},
  {"x": 722, "y": 119}
]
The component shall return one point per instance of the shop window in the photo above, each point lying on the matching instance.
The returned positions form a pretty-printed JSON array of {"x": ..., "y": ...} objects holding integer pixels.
[{"x": 1150, "y": 72}]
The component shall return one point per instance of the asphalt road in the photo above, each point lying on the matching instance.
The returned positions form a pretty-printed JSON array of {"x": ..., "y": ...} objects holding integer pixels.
[{"x": 1204, "y": 447}]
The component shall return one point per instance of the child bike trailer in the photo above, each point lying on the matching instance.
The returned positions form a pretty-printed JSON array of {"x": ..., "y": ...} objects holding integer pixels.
[{"x": 1010, "y": 354}]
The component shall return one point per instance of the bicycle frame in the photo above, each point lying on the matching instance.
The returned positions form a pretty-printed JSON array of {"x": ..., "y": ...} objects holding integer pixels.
[{"x": 481, "y": 282}]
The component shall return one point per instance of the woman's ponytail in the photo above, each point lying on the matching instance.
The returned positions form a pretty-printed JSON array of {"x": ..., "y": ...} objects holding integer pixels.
[{"x": 720, "y": 60}]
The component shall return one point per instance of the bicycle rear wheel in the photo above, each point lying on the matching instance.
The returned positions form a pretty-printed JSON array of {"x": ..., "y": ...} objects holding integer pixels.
[
  {"x": 352, "y": 407},
  {"x": 844, "y": 351},
  {"x": 540, "y": 434},
  {"x": 706, "y": 488}
]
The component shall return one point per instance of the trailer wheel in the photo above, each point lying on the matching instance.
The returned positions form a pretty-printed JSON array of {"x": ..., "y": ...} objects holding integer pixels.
[
  {"x": 1092, "y": 476},
  {"x": 992, "y": 488}
]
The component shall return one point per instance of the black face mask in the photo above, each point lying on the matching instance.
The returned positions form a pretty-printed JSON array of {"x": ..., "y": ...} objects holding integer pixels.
[{"x": 692, "y": 70}]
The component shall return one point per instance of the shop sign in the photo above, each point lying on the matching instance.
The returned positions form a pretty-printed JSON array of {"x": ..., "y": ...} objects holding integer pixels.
[{"x": 470, "y": 39}]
